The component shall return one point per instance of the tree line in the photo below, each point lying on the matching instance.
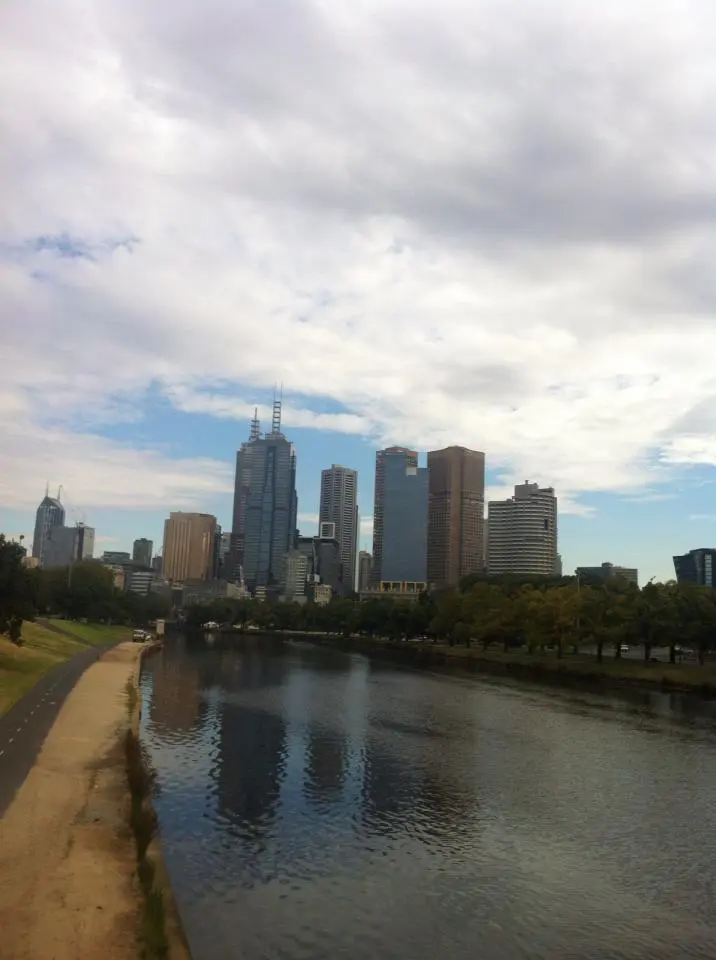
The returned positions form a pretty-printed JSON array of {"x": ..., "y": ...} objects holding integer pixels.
[
  {"x": 535, "y": 613},
  {"x": 83, "y": 591}
]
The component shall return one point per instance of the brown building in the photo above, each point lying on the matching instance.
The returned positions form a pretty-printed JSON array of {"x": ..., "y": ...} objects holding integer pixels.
[
  {"x": 188, "y": 546},
  {"x": 411, "y": 460},
  {"x": 456, "y": 514}
]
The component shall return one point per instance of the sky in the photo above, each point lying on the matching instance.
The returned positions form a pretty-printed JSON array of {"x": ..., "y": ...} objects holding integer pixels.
[{"x": 484, "y": 222}]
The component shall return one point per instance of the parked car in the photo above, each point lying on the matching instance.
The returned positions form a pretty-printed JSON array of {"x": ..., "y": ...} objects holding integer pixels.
[{"x": 140, "y": 636}]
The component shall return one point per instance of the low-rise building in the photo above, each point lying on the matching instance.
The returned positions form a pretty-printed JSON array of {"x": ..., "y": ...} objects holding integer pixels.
[
  {"x": 395, "y": 590},
  {"x": 321, "y": 594},
  {"x": 607, "y": 571},
  {"x": 140, "y": 581},
  {"x": 697, "y": 566}
]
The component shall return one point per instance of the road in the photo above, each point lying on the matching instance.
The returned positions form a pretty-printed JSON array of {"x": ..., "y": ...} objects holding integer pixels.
[{"x": 24, "y": 727}]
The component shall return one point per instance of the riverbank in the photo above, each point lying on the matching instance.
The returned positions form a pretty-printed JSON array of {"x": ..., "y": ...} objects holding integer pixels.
[
  {"x": 68, "y": 864},
  {"x": 46, "y": 644},
  {"x": 546, "y": 667}
]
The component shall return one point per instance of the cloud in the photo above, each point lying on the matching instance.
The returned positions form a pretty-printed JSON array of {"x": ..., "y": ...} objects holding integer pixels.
[
  {"x": 97, "y": 472},
  {"x": 489, "y": 224},
  {"x": 703, "y": 517}
]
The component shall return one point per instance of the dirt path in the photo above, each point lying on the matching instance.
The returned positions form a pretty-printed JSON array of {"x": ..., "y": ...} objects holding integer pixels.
[{"x": 67, "y": 887}]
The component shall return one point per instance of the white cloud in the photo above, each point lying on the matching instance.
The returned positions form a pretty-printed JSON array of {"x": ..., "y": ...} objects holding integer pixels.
[
  {"x": 488, "y": 224},
  {"x": 97, "y": 472}
]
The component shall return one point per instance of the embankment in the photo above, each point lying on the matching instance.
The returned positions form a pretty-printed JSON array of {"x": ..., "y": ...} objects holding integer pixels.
[
  {"x": 544, "y": 668},
  {"x": 46, "y": 644},
  {"x": 69, "y": 885}
]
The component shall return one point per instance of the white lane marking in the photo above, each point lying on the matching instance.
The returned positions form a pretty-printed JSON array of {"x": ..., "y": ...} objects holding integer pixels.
[
  {"x": 11, "y": 740},
  {"x": 18, "y": 729},
  {"x": 1, "y": 752}
]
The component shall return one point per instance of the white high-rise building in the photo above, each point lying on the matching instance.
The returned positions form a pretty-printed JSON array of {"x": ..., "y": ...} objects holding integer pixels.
[
  {"x": 522, "y": 532},
  {"x": 339, "y": 506}
]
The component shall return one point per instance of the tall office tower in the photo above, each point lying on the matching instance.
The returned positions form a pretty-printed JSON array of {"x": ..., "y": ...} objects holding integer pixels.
[
  {"x": 265, "y": 505},
  {"x": 66, "y": 545},
  {"x": 456, "y": 514},
  {"x": 405, "y": 519},
  {"x": 339, "y": 506},
  {"x": 522, "y": 532},
  {"x": 188, "y": 552},
  {"x": 49, "y": 514},
  {"x": 411, "y": 460},
  {"x": 697, "y": 566},
  {"x": 365, "y": 564},
  {"x": 142, "y": 552}
]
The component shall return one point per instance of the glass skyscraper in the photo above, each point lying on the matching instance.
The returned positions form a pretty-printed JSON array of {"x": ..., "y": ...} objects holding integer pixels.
[
  {"x": 265, "y": 506},
  {"x": 405, "y": 518},
  {"x": 49, "y": 514}
]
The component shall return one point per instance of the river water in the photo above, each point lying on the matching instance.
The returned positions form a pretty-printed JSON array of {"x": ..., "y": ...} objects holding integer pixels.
[{"x": 315, "y": 804}]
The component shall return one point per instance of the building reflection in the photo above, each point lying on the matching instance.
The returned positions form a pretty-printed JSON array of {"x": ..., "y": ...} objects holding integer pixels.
[
  {"x": 252, "y": 747},
  {"x": 326, "y": 763},
  {"x": 176, "y": 704}
]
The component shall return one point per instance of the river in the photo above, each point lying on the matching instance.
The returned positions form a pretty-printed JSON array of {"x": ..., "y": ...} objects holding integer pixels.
[{"x": 316, "y": 804}]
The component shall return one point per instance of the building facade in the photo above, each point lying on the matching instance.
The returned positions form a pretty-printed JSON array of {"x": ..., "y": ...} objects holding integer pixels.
[
  {"x": 697, "y": 566},
  {"x": 295, "y": 576},
  {"x": 115, "y": 557},
  {"x": 188, "y": 552},
  {"x": 66, "y": 545},
  {"x": 411, "y": 460},
  {"x": 456, "y": 514},
  {"x": 607, "y": 571},
  {"x": 142, "y": 552},
  {"x": 265, "y": 506},
  {"x": 365, "y": 564},
  {"x": 50, "y": 514},
  {"x": 522, "y": 532},
  {"x": 404, "y": 520},
  {"x": 339, "y": 506}
]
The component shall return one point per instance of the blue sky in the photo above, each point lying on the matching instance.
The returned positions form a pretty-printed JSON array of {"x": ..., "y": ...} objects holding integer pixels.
[{"x": 489, "y": 225}]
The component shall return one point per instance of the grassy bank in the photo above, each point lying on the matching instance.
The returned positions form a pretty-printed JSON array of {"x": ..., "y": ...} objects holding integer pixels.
[
  {"x": 547, "y": 666},
  {"x": 45, "y": 645}
]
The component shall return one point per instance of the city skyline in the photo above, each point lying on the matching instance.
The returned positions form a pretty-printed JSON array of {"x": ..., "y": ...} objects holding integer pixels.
[
  {"x": 582, "y": 542},
  {"x": 522, "y": 266}
]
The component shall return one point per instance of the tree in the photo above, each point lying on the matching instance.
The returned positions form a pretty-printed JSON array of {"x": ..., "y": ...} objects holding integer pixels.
[{"x": 16, "y": 590}]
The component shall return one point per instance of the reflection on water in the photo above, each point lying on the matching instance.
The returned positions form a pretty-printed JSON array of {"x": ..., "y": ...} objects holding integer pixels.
[{"x": 314, "y": 804}]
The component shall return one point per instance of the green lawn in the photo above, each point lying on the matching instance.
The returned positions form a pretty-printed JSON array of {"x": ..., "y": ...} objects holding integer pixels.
[
  {"x": 43, "y": 649},
  {"x": 691, "y": 676}
]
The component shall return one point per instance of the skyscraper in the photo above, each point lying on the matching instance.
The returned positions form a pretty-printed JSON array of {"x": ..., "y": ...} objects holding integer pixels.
[
  {"x": 188, "y": 552},
  {"x": 142, "y": 552},
  {"x": 411, "y": 460},
  {"x": 522, "y": 532},
  {"x": 49, "y": 514},
  {"x": 456, "y": 514},
  {"x": 265, "y": 505},
  {"x": 405, "y": 519},
  {"x": 66, "y": 545},
  {"x": 339, "y": 506}
]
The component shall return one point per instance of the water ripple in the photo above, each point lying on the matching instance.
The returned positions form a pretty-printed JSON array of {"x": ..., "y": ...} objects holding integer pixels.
[{"x": 313, "y": 806}]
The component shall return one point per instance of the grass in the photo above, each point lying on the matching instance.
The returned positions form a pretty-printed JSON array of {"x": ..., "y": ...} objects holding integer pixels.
[
  {"x": 666, "y": 675},
  {"x": 43, "y": 649},
  {"x": 143, "y": 823}
]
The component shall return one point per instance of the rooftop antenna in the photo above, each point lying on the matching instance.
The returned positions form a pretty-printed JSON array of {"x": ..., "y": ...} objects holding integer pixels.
[
  {"x": 47, "y": 488},
  {"x": 255, "y": 426},
  {"x": 276, "y": 417},
  {"x": 60, "y": 491}
]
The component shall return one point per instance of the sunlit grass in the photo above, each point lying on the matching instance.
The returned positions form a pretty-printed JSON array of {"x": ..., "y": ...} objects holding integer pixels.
[{"x": 43, "y": 649}]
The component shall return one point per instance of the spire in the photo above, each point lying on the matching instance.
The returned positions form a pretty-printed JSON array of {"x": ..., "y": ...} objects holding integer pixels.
[
  {"x": 47, "y": 488},
  {"x": 276, "y": 418},
  {"x": 255, "y": 426},
  {"x": 59, "y": 492}
]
